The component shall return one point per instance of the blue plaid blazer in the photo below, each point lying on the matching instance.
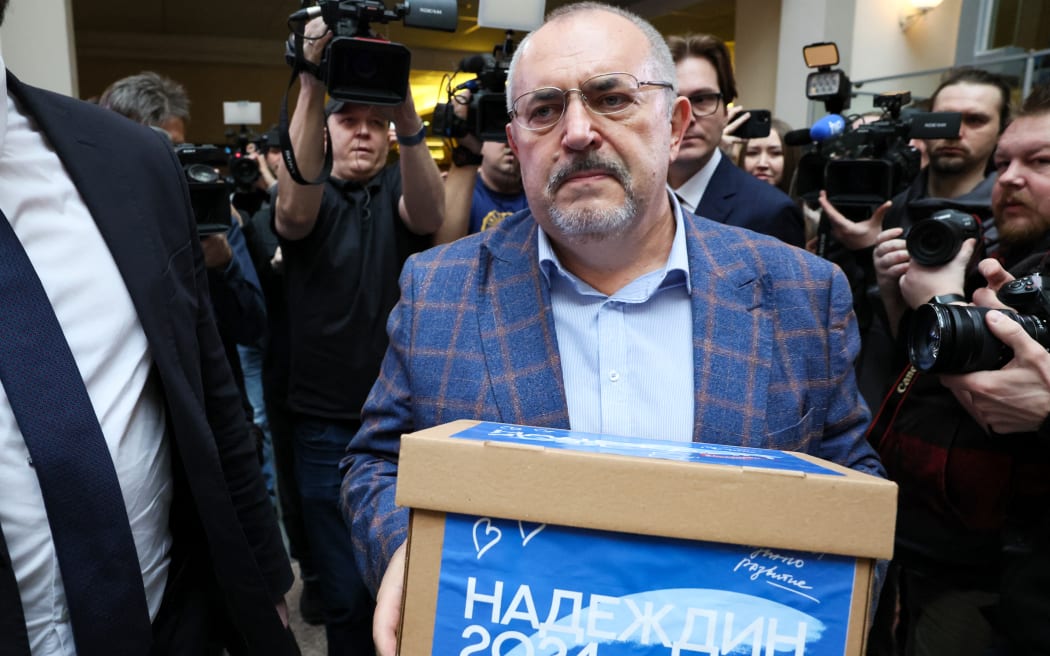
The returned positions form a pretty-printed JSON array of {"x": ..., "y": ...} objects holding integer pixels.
[{"x": 473, "y": 338}]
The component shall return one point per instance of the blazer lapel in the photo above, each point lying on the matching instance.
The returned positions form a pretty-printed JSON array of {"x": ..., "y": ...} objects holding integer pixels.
[
  {"x": 518, "y": 338},
  {"x": 107, "y": 191},
  {"x": 716, "y": 203},
  {"x": 732, "y": 337}
]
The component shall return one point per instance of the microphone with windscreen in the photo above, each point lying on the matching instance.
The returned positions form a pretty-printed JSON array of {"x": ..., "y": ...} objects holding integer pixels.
[{"x": 826, "y": 128}]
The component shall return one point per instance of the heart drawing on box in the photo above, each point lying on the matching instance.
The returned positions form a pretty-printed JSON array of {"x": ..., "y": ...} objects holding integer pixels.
[
  {"x": 489, "y": 529},
  {"x": 525, "y": 537}
]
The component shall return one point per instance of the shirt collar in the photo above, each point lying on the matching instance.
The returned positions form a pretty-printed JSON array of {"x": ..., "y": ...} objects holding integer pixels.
[
  {"x": 677, "y": 260},
  {"x": 4, "y": 100},
  {"x": 692, "y": 190}
]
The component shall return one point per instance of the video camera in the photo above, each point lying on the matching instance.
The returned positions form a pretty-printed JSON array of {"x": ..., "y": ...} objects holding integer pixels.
[
  {"x": 356, "y": 65},
  {"x": 864, "y": 166},
  {"x": 243, "y": 172},
  {"x": 487, "y": 112},
  {"x": 209, "y": 189},
  {"x": 954, "y": 339}
]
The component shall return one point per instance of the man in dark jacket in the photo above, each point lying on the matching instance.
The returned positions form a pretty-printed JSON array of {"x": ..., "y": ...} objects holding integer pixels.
[{"x": 134, "y": 520}]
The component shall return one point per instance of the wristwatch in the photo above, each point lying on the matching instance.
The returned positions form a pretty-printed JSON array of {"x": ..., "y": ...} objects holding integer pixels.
[
  {"x": 463, "y": 156},
  {"x": 945, "y": 299}
]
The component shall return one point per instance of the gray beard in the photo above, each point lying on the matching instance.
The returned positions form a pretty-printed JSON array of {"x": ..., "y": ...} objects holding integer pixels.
[{"x": 593, "y": 223}]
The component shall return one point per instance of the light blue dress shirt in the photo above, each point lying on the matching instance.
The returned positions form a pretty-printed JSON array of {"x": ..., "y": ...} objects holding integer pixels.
[{"x": 627, "y": 359}]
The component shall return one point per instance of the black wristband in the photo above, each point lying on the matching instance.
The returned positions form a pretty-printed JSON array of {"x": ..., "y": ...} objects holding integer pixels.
[
  {"x": 945, "y": 299},
  {"x": 413, "y": 139},
  {"x": 463, "y": 156}
]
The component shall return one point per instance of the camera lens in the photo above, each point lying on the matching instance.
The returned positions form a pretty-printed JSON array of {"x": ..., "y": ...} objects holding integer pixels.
[
  {"x": 932, "y": 244},
  {"x": 244, "y": 171},
  {"x": 201, "y": 173},
  {"x": 954, "y": 339},
  {"x": 936, "y": 240}
]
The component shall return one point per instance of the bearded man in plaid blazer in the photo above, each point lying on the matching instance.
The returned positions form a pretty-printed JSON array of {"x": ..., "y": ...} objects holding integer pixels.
[{"x": 604, "y": 307}]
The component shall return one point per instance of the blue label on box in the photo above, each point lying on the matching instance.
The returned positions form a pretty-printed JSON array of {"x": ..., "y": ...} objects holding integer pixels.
[
  {"x": 712, "y": 454},
  {"x": 513, "y": 588}
]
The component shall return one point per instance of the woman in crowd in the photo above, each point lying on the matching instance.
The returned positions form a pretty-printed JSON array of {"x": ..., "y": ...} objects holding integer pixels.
[{"x": 768, "y": 159}]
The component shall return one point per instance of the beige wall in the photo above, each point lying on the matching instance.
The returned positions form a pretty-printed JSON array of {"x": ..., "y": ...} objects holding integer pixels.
[
  {"x": 38, "y": 46},
  {"x": 756, "y": 46},
  {"x": 871, "y": 45},
  {"x": 880, "y": 48}
]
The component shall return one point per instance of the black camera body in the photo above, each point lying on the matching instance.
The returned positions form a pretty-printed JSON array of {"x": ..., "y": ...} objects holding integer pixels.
[
  {"x": 358, "y": 67},
  {"x": 954, "y": 339},
  {"x": 933, "y": 241},
  {"x": 209, "y": 189},
  {"x": 487, "y": 115},
  {"x": 243, "y": 172}
]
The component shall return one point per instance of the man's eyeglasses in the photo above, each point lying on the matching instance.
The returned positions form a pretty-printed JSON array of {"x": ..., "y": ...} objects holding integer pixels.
[
  {"x": 609, "y": 93},
  {"x": 704, "y": 104}
]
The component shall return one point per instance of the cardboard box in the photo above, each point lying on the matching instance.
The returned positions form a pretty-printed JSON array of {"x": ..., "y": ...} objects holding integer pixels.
[{"x": 542, "y": 542}]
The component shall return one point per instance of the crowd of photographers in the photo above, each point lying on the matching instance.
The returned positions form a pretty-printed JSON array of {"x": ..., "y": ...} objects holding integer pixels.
[{"x": 305, "y": 275}]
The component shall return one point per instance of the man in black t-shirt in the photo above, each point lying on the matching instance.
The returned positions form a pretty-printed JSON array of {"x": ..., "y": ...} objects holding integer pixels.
[{"x": 343, "y": 244}]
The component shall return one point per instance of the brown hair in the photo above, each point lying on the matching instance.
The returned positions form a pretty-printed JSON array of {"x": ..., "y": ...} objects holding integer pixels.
[
  {"x": 714, "y": 50},
  {"x": 970, "y": 75},
  {"x": 791, "y": 154},
  {"x": 1037, "y": 103}
]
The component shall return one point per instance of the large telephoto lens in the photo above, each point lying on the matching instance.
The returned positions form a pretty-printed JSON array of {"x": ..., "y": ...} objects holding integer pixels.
[{"x": 954, "y": 339}]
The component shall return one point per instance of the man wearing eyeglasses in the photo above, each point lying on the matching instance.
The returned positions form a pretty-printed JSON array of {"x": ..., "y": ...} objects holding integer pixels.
[
  {"x": 604, "y": 307},
  {"x": 708, "y": 183}
]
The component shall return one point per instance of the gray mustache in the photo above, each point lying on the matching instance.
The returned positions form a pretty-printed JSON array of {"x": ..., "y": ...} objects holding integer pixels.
[{"x": 615, "y": 169}]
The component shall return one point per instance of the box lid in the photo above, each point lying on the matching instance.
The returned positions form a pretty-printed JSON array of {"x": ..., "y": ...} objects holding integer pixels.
[{"x": 694, "y": 491}]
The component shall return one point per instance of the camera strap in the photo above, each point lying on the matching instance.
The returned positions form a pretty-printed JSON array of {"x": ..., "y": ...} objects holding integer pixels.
[
  {"x": 891, "y": 405},
  {"x": 299, "y": 65}
]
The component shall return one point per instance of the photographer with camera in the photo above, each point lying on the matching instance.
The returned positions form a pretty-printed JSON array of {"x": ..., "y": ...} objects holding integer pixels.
[
  {"x": 957, "y": 176},
  {"x": 236, "y": 296},
  {"x": 958, "y": 168},
  {"x": 707, "y": 181},
  {"x": 252, "y": 166},
  {"x": 970, "y": 452},
  {"x": 343, "y": 242},
  {"x": 483, "y": 186}
]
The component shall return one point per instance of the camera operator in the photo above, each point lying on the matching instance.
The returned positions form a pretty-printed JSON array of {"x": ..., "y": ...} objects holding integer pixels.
[
  {"x": 269, "y": 159},
  {"x": 958, "y": 168},
  {"x": 255, "y": 174},
  {"x": 707, "y": 181},
  {"x": 957, "y": 171},
  {"x": 236, "y": 296},
  {"x": 483, "y": 186},
  {"x": 343, "y": 243},
  {"x": 971, "y": 527},
  {"x": 150, "y": 99}
]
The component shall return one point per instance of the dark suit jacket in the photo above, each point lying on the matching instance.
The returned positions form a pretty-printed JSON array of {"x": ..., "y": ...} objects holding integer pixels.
[
  {"x": 737, "y": 198},
  {"x": 133, "y": 185},
  {"x": 473, "y": 338}
]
